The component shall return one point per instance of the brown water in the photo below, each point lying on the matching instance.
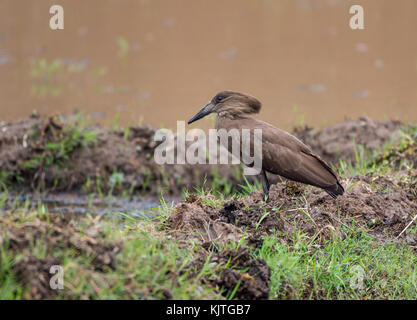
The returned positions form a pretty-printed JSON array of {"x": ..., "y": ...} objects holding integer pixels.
[
  {"x": 161, "y": 60},
  {"x": 71, "y": 203}
]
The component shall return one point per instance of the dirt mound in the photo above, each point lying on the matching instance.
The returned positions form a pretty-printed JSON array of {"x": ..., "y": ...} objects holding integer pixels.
[
  {"x": 45, "y": 153},
  {"x": 339, "y": 141},
  {"x": 62, "y": 231},
  {"x": 34, "y": 273},
  {"x": 376, "y": 205},
  {"x": 195, "y": 222},
  {"x": 53, "y": 233},
  {"x": 403, "y": 155},
  {"x": 191, "y": 221},
  {"x": 385, "y": 213},
  {"x": 48, "y": 154},
  {"x": 372, "y": 202},
  {"x": 252, "y": 276}
]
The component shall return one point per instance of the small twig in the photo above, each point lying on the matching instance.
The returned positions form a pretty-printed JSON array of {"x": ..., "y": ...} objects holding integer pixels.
[
  {"x": 306, "y": 214},
  {"x": 414, "y": 219},
  {"x": 296, "y": 209},
  {"x": 238, "y": 256},
  {"x": 338, "y": 220},
  {"x": 207, "y": 228},
  {"x": 307, "y": 204}
]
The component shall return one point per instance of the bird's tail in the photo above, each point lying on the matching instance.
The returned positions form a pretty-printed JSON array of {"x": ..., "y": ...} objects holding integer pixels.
[{"x": 335, "y": 190}]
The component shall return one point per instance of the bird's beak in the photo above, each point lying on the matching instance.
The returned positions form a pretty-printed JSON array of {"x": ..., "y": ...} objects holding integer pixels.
[{"x": 207, "y": 109}]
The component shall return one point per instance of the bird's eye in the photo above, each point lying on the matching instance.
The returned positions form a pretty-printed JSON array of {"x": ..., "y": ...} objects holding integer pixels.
[{"x": 219, "y": 98}]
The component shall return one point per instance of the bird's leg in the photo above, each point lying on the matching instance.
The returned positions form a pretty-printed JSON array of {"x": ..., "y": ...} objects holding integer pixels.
[{"x": 265, "y": 185}]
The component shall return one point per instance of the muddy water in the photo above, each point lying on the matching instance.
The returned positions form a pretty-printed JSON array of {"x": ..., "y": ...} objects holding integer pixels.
[
  {"x": 139, "y": 207},
  {"x": 159, "y": 61}
]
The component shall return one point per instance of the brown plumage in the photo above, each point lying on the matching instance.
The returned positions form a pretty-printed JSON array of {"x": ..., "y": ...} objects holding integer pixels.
[{"x": 282, "y": 153}]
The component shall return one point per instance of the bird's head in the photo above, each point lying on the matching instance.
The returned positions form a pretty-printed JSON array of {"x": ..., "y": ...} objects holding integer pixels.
[{"x": 230, "y": 104}]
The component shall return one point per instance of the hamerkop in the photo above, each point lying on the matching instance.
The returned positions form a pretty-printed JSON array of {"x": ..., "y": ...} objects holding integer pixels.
[{"x": 282, "y": 153}]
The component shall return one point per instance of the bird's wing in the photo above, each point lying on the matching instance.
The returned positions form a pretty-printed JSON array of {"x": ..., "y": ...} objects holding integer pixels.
[
  {"x": 287, "y": 156},
  {"x": 297, "y": 166}
]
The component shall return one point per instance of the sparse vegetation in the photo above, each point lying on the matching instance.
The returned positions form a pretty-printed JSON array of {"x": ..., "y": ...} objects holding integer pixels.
[
  {"x": 222, "y": 241},
  {"x": 356, "y": 267}
]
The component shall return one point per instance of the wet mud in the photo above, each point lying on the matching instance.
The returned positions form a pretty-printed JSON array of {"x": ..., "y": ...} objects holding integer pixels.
[
  {"x": 251, "y": 276},
  {"x": 49, "y": 154},
  {"x": 78, "y": 205},
  {"x": 46, "y": 154},
  {"x": 52, "y": 233},
  {"x": 373, "y": 204},
  {"x": 382, "y": 206},
  {"x": 343, "y": 140}
]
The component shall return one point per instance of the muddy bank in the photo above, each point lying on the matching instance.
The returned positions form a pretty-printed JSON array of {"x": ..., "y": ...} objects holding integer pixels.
[
  {"x": 375, "y": 204},
  {"x": 76, "y": 204},
  {"x": 341, "y": 140},
  {"x": 238, "y": 269},
  {"x": 402, "y": 155},
  {"x": 381, "y": 206},
  {"x": 47, "y": 154},
  {"x": 53, "y": 232},
  {"x": 378, "y": 205}
]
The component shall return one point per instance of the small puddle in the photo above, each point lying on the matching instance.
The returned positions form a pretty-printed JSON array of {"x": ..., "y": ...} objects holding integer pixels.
[{"x": 137, "y": 207}]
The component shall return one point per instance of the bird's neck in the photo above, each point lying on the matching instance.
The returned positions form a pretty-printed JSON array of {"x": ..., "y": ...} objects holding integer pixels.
[
  {"x": 226, "y": 119},
  {"x": 232, "y": 115}
]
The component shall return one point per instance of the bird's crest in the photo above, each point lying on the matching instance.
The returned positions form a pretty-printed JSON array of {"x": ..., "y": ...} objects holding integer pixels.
[{"x": 235, "y": 104}]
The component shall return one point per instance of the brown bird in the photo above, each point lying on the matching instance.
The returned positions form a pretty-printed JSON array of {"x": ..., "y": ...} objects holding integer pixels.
[{"x": 282, "y": 153}]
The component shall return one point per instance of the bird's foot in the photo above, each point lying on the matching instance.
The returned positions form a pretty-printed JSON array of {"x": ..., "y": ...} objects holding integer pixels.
[{"x": 265, "y": 197}]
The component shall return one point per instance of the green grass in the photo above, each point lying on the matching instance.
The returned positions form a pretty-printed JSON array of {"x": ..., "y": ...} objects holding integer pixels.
[
  {"x": 153, "y": 265},
  {"x": 377, "y": 161},
  {"x": 59, "y": 150},
  {"x": 306, "y": 270},
  {"x": 150, "y": 265},
  {"x": 9, "y": 286},
  {"x": 248, "y": 188},
  {"x": 364, "y": 163},
  {"x": 54, "y": 150}
]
